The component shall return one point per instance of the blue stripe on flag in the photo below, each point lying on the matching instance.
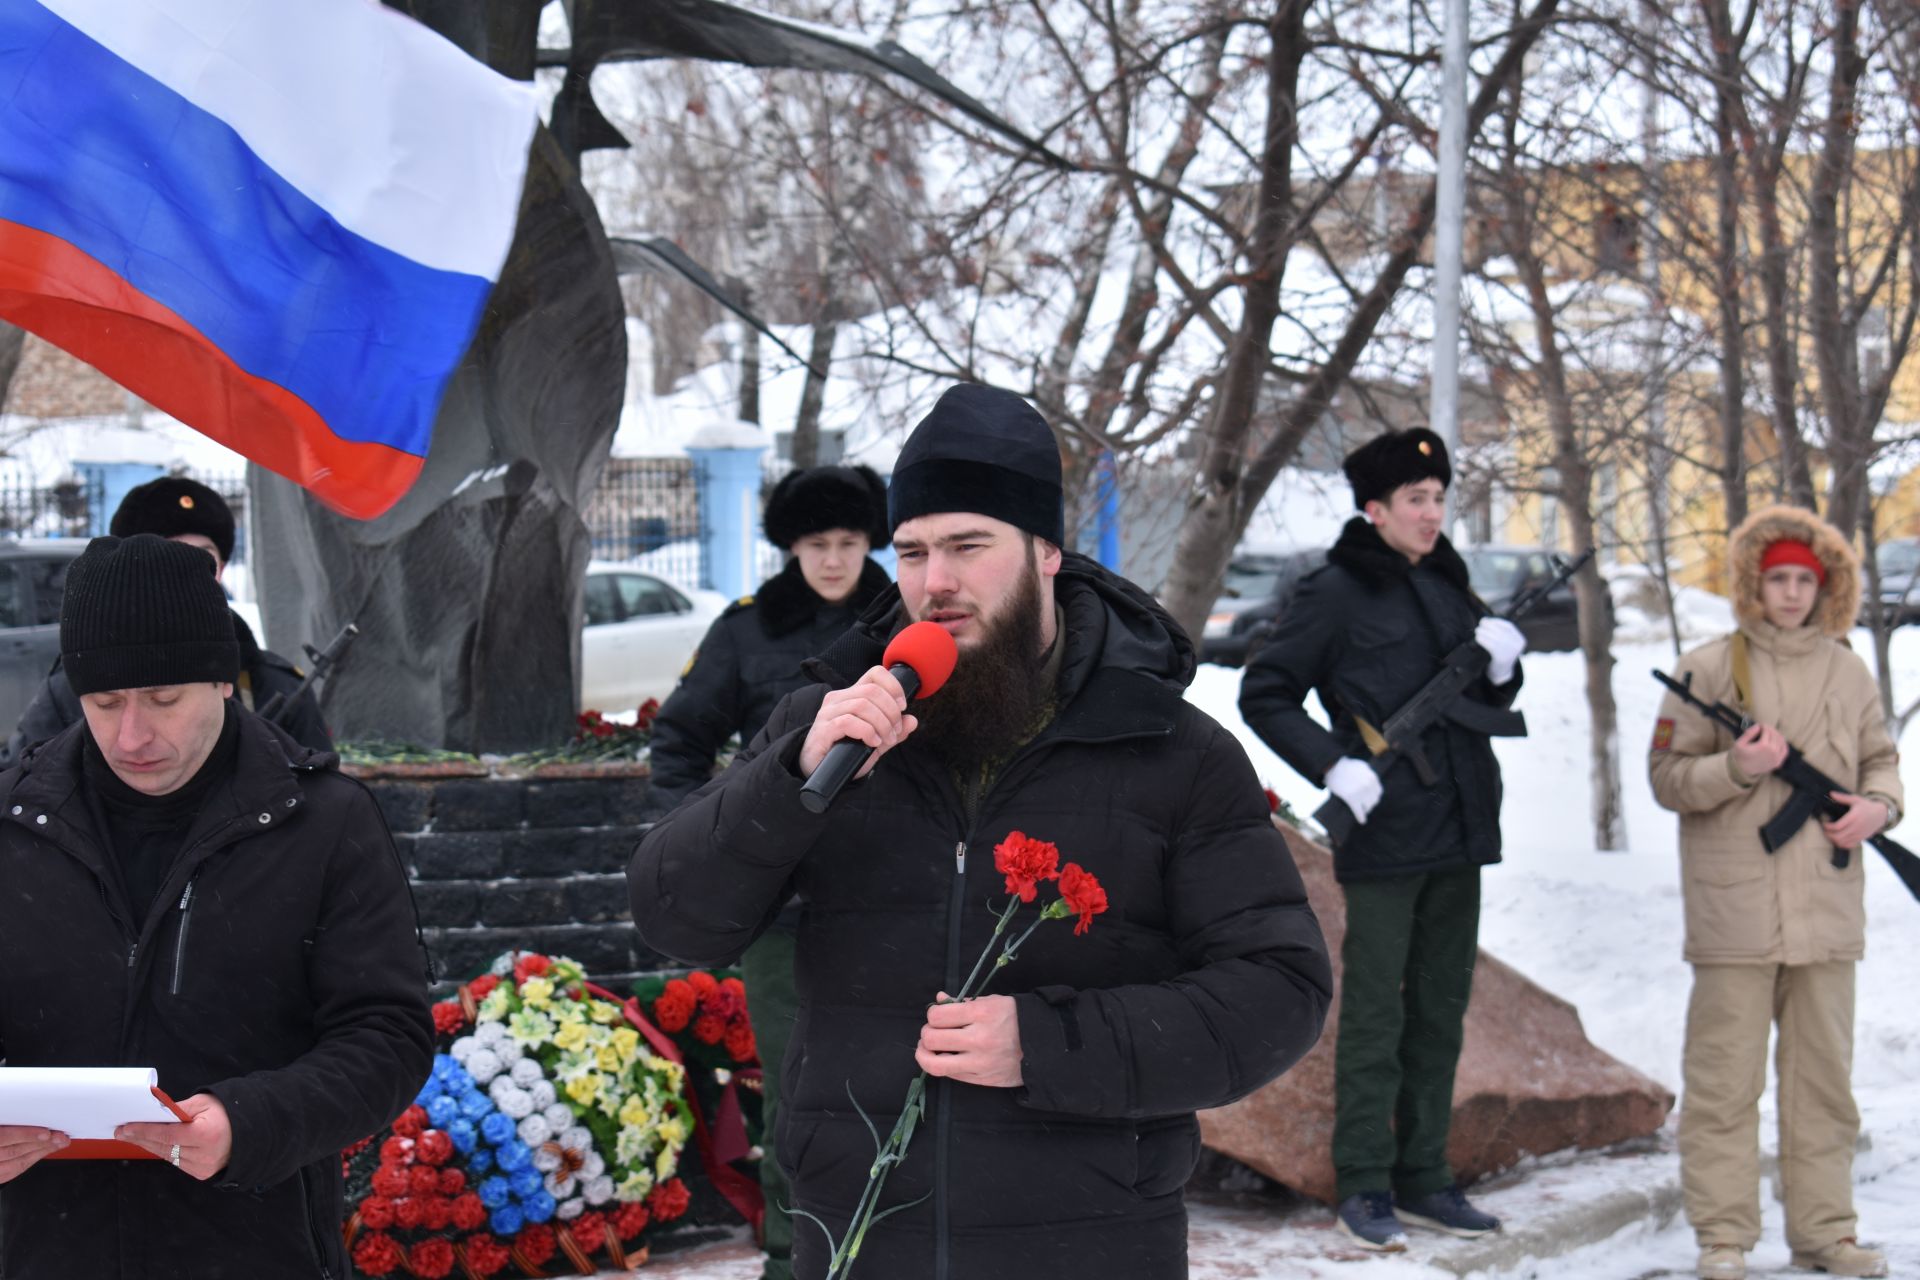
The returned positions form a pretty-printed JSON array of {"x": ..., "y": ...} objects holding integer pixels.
[{"x": 100, "y": 154}]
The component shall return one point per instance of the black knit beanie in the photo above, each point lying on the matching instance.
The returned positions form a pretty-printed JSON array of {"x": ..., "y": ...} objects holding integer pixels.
[
  {"x": 1398, "y": 458},
  {"x": 982, "y": 450},
  {"x": 174, "y": 505},
  {"x": 823, "y": 498},
  {"x": 142, "y": 611}
]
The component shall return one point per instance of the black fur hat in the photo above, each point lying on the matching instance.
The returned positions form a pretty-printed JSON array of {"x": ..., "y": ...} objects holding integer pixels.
[
  {"x": 174, "y": 505},
  {"x": 822, "y": 498},
  {"x": 1398, "y": 458}
]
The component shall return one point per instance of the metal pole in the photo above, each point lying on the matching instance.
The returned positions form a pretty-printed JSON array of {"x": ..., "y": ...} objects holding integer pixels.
[{"x": 1449, "y": 230}]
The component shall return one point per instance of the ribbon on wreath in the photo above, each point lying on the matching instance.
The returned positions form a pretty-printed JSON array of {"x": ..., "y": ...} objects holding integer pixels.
[{"x": 716, "y": 1150}]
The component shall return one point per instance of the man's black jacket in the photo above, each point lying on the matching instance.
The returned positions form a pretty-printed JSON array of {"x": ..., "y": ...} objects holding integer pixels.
[
  {"x": 1367, "y": 632},
  {"x": 1206, "y": 977},
  {"x": 263, "y": 673},
  {"x": 290, "y": 984}
]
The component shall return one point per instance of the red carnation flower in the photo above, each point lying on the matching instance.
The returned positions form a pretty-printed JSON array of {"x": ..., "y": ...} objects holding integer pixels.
[
  {"x": 629, "y": 1220},
  {"x": 486, "y": 1255},
  {"x": 734, "y": 985},
  {"x": 391, "y": 1181},
  {"x": 434, "y": 1147},
  {"x": 408, "y": 1214},
  {"x": 674, "y": 1009},
  {"x": 1025, "y": 862},
  {"x": 376, "y": 1213},
  {"x": 452, "y": 1182},
  {"x": 412, "y": 1122},
  {"x": 448, "y": 1017},
  {"x": 709, "y": 1028},
  {"x": 702, "y": 982},
  {"x": 431, "y": 1259},
  {"x": 1083, "y": 896},
  {"x": 422, "y": 1180},
  {"x": 376, "y": 1254},
  {"x": 669, "y": 1200},
  {"x": 396, "y": 1152},
  {"x": 724, "y": 1004},
  {"x": 482, "y": 986},
  {"x": 435, "y": 1212},
  {"x": 530, "y": 966},
  {"x": 589, "y": 1229},
  {"x": 467, "y": 1212},
  {"x": 536, "y": 1242},
  {"x": 740, "y": 1044}
]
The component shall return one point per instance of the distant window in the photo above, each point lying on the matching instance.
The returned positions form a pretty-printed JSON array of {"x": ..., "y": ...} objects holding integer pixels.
[
  {"x": 642, "y": 597},
  {"x": 1617, "y": 241},
  {"x": 601, "y": 605}
]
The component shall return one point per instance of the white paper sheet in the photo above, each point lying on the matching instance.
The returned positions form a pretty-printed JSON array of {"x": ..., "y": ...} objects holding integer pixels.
[{"x": 81, "y": 1102}]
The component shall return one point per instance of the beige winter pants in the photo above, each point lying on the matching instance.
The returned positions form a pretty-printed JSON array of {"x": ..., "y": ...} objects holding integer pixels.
[{"x": 1725, "y": 1067}]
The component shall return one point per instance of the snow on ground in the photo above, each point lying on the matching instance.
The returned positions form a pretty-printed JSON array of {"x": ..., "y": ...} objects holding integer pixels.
[{"x": 1603, "y": 931}]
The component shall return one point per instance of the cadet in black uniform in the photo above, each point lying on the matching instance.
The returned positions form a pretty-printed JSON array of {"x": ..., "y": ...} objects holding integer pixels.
[
  {"x": 181, "y": 510},
  {"x": 827, "y": 519}
]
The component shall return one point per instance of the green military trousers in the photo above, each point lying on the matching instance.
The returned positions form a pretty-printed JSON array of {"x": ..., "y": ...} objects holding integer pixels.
[
  {"x": 1406, "y": 973},
  {"x": 767, "y": 969}
]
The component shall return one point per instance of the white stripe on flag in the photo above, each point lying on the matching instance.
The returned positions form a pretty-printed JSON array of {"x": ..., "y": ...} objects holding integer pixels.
[{"x": 394, "y": 131}]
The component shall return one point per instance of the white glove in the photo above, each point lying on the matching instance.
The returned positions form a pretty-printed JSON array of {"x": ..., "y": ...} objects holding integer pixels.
[
  {"x": 1355, "y": 782},
  {"x": 1504, "y": 645}
]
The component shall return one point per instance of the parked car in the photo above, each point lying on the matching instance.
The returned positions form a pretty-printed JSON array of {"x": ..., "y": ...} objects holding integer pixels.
[
  {"x": 1255, "y": 589},
  {"x": 1500, "y": 574},
  {"x": 1898, "y": 560},
  {"x": 638, "y": 632},
  {"x": 33, "y": 575}
]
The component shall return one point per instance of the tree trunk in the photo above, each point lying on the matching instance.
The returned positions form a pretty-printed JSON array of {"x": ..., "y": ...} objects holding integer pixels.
[
  {"x": 1836, "y": 326},
  {"x": 1726, "y": 266},
  {"x": 13, "y": 342},
  {"x": 806, "y": 425}
]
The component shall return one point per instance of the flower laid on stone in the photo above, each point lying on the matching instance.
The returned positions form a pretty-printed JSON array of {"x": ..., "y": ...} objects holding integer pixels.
[
  {"x": 1026, "y": 864},
  {"x": 547, "y": 1126}
]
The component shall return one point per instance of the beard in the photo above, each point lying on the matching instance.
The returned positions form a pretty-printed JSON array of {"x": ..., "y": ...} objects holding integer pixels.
[{"x": 993, "y": 701}]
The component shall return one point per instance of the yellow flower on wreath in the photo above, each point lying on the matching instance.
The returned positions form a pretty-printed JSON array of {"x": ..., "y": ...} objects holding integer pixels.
[
  {"x": 673, "y": 1131},
  {"x": 571, "y": 1035},
  {"x": 634, "y": 1112},
  {"x": 627, "y": 1041},
  {"x": 537, "y": 992},
  {"x": 585, "y": 1088}
]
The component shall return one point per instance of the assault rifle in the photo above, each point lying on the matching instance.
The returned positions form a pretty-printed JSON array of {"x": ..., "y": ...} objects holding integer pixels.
[
  {"x": 1812, "y": 790},
  {"x": 1440, "y": 699},
  {"x": 320, "y": 663}
]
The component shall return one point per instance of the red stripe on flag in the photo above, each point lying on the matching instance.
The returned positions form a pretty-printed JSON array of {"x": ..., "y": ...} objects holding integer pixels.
[{"x": 78, "y": 303}]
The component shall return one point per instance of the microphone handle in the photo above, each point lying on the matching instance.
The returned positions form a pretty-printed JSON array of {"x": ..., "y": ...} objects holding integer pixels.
[{"x": 844, "y": 758}]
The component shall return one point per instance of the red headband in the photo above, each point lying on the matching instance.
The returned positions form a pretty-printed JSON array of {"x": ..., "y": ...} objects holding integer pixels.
[{"x": 1792, "y": 551}]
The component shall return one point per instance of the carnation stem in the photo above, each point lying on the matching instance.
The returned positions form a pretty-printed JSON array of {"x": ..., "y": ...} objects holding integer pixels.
[{"x": 999, "y": 927}]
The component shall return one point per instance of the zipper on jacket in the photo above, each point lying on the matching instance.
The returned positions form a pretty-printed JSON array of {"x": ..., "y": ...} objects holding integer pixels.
[
  {"x": 313, "y": 1227},
  {"x": 180, "y": 938},
  {"x": 943, "y": 1088}
]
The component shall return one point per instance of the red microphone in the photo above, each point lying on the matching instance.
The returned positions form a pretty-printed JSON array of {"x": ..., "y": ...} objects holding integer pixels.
[{"x": 921, "y": 658}]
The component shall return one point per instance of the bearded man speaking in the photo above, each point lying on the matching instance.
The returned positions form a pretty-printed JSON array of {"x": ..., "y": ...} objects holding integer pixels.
[{"x": 1059, "y": 1128}]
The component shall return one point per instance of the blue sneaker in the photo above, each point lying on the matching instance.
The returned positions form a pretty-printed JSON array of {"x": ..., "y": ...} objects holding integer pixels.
[
  {"x": 1367, "y": 1219},
  {"x": 1446, "y": 1210}
]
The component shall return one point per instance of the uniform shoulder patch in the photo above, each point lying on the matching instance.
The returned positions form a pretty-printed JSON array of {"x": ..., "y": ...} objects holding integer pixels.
[
  {"x": 691, "y": 659},
  {"x": 1663, "y": 734}
]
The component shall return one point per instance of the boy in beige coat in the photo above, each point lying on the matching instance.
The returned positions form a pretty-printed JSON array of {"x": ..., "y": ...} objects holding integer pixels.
[{"x": 1775, "y": 937}]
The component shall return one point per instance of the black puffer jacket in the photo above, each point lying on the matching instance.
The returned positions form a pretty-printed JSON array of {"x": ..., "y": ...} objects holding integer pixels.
[
  {"x": 749, "y": 660},
  {"x": 1367, "y": 631},
  {"x": 290, "y": 984},
  {"x": 1206, "y": 978},
  {"x": 263, "y": 673}
]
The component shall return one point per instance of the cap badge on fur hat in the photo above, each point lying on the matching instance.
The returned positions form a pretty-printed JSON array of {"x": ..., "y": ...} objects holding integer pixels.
[
  {"x": 1426, "y": 447},
  {"x": 186, "y": 502}
]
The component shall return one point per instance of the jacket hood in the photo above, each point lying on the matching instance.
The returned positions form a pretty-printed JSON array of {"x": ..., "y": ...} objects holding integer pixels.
[
  {"x": 1110, "y": 624},
  {"x": 1839, "y": 600},
  {"x": 1362, "y": 552}
]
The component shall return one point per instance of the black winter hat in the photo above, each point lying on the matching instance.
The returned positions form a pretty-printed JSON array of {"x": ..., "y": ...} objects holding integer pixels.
[
  {"x": 1387, "y": 462},
  {"x": 823, "y": 498},
  {"x": 173, "y": 505},
  {"x": 984, "y": 450},
  {"x": 142, "y": 611}
]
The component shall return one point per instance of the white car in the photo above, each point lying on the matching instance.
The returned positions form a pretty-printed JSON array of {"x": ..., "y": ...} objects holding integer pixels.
[{"x": 639, "y": 631}]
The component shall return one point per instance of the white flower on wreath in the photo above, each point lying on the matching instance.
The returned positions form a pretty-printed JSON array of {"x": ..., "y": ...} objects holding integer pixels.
[
  {"x": 462, "y": 1047},
  {"x": 544, "y": 1097},
  {"x": 599, "y": 1190},
  {"x": 577, "y": 1138},
  {"x": 568, "y": 1210},
  {"x": 534, "y": 1129},
  {"x": 630, "y": 1145},
  {"x": 489, "y": 1034},
  {"x": 544, "y": 1160},
  {"x": 560, "y": 1187},
  {"x": 559, "y": 1115},
  {"x": 525, "y": 1072},
  {"x": 514, "y": 1102},
  {"x": 492, "y": 1009},
  {"x": 511, "y": 1052},
  {"x": 595, "y": 1165},
  {"x": 484, "y": 1066},
  {"x": 634, "y": 1186}
]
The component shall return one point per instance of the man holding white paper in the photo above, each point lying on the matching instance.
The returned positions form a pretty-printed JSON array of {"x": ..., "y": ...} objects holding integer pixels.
[{"x": 191, "y": 890}]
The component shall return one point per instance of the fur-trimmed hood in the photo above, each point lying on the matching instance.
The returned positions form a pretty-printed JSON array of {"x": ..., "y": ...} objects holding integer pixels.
[{"x": 1839, "y": 600}]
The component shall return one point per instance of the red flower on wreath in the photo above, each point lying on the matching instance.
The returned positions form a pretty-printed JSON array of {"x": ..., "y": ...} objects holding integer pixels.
[
  {"x": 1083, "y": 895},
  {"x": 435, "y": 1148},
  {"x": 430, "y": 1259},
  {"x": 530, "y": 966},
  {"x": 702, "y": 982},
  {"x": 669, "y": 1200},
  {"x": 452, "y": 1182},
  {"x": 391, "y": 1181},
  {"x": 482, "y": 986},
  {"x": 376, "y": 1213},
  {"x": 487, "y": 1255},
  {"x": 410, "y": 1214},
  {"x": 740, "y": 1044},
  {"x": 676, "y": 1005},
  {"x": 467, "y": 1211},
  {"x": 589, "y": 1229},
  {"x": 537, "y": 1243},
  {"x": 448, "y": 1017},
  {"x": 629, "y": 1220},
  {"x": 396, "y": 1151},
  {"x": 1025, "y": 862},
  {"x": 725, "y": 1003},
  {"x": 411, "y": 1124},
  {"x": 709, "y": 1028},
  {"x": 423, "y": 1180},
  {"x": 376, "y": 1253}
]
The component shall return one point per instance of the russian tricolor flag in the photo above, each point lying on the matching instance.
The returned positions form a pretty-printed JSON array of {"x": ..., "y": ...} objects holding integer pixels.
[{"x": 276, "y": 220}]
